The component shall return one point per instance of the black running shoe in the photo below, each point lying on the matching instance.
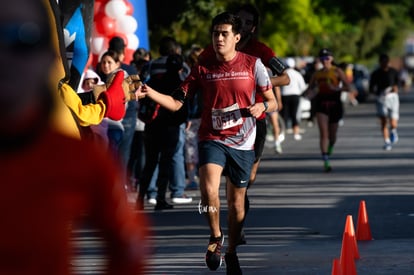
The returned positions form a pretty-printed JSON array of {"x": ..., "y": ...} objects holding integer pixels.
[
  {"x": 213, "y": 255},
  {"x": 163, "y": 205},
  {"x": 232, "y": 264}
]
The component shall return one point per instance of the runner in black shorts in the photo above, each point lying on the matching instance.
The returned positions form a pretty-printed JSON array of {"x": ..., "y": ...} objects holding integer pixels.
[
  {"x": 227, "y": 131},
  {"x": 325, "y": 87},
  {"x": 250, "y": 45}
]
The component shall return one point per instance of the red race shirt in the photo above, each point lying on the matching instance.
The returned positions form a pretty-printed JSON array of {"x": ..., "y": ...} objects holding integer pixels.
[
  {"x": 254, "y": 48},
  {"x": 228, "y": 88}
]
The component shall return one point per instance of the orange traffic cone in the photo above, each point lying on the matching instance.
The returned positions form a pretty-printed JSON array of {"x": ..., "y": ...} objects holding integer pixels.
[
  {"x": 347, "y": 255},
  {"x": 350, "y": 230},
  {"x": 336, "y": 267},
  {"x": 363, "y": 232}
]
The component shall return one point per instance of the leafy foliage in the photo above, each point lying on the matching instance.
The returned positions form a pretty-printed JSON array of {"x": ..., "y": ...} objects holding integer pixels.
[{"x": 353, "y": 29}]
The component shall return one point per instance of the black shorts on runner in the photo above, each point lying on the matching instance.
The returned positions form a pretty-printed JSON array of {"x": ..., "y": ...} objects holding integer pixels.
[
  {"x": 332, "y": 108},
  {"x": 237, "y": 164}
]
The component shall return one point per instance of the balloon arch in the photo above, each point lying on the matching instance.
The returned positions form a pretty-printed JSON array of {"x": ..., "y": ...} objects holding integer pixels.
[{"x": 116, "y": 18}]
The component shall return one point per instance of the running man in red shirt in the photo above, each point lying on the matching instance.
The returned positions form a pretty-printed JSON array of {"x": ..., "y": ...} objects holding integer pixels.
[
  {"x": 228, "y": 83},
  {"x": 249, "y": 44}
]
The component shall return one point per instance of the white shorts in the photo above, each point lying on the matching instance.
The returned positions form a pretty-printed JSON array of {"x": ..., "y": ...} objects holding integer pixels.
[{"x": 388, "y": 106}]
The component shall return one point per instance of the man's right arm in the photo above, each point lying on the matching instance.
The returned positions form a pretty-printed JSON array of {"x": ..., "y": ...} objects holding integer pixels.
[
  {"x": 280, "y": 78},
  {"x": 166, "y": 101}
]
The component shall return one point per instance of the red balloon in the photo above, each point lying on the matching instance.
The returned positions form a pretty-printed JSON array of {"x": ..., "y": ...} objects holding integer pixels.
[
  {"x": 95, "y": 60},
  {"x": 99, "y": 7},
  {"x": 105, "y": 25},
  {"x": 130, "y": 7},
  {"x": 128, "y": 55}
]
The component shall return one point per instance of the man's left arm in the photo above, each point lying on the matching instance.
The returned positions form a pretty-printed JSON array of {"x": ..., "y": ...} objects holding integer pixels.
[
  {"x": 263, "y": 86},
  {"x": 268, "y": 104}
]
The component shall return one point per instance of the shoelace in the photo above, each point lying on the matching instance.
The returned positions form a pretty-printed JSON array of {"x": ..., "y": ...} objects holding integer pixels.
[{"x": 217, "y": 243}]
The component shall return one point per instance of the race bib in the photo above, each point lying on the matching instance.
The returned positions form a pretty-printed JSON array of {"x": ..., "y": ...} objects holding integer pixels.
[{"x": 227, "y": 117}]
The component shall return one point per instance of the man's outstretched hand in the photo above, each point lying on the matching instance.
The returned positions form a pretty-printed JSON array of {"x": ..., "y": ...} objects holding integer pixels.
[{"x": 142, "y": 91}]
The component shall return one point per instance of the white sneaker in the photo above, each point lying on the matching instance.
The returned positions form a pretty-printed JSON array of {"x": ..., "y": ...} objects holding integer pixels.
[
  {"x": 152, "y": 201},
  {"x": 278, "y": 148},
  {"x": 270, "y": 137},
  {"x": 281, "y": 138},
  {"x": 297, "y": 136},
  {"x": 181, "y": 200},
  {"x": 387, "y": 146},
  {"x": 354, "y": 102}
]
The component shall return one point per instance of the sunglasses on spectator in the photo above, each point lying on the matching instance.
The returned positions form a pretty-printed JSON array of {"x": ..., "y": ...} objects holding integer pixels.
[
  {"x": 324, "y": 58},
  {"x": 21, "y": 38}
]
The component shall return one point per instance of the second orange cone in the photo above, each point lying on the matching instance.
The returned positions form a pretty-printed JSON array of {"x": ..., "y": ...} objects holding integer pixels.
[{"x": 363, "y": 232}]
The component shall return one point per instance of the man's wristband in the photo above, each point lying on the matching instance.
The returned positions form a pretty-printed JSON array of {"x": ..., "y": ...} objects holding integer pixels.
[{"x": 266, "y": 105}]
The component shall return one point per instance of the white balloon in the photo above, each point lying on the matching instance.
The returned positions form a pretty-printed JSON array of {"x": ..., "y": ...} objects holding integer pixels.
[
  {"x": 101, "y": 54},
  {"x": 116, "y": 8},
  {"x": 133, "y": 41},
  {"x": 98, "y": 44},
  {"x": 126, "y": 24}
]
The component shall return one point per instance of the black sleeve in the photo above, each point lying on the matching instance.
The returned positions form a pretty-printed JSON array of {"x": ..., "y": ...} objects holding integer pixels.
[
  {"x": 179, "y": 95},
  {"x": 277, "y": 66}
]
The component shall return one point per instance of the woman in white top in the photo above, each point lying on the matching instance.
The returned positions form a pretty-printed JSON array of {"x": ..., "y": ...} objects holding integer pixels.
[{"x": 291, "y": 97}]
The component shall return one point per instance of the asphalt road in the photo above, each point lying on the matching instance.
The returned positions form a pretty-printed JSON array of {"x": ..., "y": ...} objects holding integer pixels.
[{"x": 298, "y": 212}]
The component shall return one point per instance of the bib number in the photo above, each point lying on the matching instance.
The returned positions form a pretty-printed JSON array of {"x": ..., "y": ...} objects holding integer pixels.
[{"x": 227, "y": 117}]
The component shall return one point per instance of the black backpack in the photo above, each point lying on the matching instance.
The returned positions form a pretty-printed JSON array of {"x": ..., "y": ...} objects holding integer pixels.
[{"x": 148, "y": 110}]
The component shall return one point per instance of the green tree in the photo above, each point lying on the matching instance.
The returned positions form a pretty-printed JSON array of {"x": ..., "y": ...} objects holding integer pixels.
[{"x": 353, "y": 29}]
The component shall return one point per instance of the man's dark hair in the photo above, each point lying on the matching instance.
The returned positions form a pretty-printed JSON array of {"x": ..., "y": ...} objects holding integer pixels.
[
  {"x": 227, "y": 18},
  {"x": 168, "y": 46},
  {"x": 117, "y": 44},
  {"x": 251, "y": 9}
]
